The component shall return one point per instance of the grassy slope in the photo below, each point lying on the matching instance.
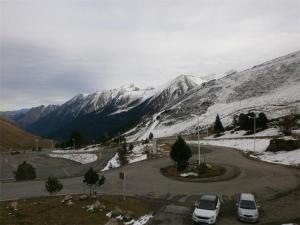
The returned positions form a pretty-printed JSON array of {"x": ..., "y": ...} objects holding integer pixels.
[
  {"x": 14, "y": 137},
  {"x": 50, "y": 210}
]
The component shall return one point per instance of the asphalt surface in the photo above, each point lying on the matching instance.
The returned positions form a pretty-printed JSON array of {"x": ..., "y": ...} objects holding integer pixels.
[
  {"x": 144, "y": 178},
  {"x": 48, "y": 166},
  {"x": 266, "y": 181}
]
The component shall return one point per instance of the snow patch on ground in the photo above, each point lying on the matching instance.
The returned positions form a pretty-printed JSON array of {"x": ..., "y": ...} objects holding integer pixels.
[
  {"x": 143, "y": 219},
  {"x": 81, "y": 158},
  {"x": 282, "y": 157},
  {"x": 112, "y": 163},
  {"x": 137, "y": 154},
  {"x": 138, "y": 158},
  {"x": 272, "y": 131},
  {"x": 90, "y": 148},
  {"x": 241, "y": 144},
  {"x": 189, "y": 174}
]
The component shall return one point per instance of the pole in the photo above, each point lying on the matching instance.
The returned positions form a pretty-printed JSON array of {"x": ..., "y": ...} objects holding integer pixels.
[
  {"x": 198, "y": 142},
  {"x": 254, "y": 130},
  {"x": 198, "y": 121},
  {"x": 124, "y": 186},
  {"x": 73, "y": 143},
  {"x": 36, "y": 144}
]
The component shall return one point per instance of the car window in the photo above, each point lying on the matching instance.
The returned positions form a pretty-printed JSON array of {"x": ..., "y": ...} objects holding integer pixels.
[
  {"x": 208, "y": 205},
  {"x": 246, "y": 204}
]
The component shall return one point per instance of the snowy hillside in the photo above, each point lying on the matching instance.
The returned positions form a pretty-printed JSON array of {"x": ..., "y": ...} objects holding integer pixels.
[
  {"x": 107, "y": 111},
  {"x": 272, "y": 87}
]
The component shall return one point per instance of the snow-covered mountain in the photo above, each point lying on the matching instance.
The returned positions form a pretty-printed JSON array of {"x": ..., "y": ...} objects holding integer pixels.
[
  {"x": 272, "y": 87},
  {"x": 106, "y": 111}
]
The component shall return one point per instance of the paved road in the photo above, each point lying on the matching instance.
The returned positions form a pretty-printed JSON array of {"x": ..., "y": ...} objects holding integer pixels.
[
  {"x": 144, "y": 178},
  {"x": 49, "y": 166}
]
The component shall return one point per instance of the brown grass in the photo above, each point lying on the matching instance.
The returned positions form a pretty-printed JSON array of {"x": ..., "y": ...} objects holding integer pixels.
[
  {"x": 50, "y": 210},
  {"x": 13, "y": 137}
]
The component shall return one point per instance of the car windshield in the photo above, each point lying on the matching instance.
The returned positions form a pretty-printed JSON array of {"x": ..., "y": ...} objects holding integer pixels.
[
  {"x": 245, "y": 204},
  {"x": 208, "y": 205}
]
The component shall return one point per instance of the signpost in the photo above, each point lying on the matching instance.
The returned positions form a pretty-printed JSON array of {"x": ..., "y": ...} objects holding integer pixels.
[{"x": 123, "y": 177}]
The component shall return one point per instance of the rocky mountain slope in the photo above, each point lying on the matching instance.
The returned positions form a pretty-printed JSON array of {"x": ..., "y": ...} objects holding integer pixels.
[
  {"x": 14, "y": 138},
  {"x": 272, "y": 87},
  {"x": 106, "y": 112}
]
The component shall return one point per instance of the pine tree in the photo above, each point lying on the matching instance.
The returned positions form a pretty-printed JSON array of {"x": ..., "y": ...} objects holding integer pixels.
[
  {"x": 218, "y": 127},
  {"x": 262, "y": 120},
  {"x": 25, "y": 171},
  {"x": 150, "y": 136},
  {"x": 180, "y": 153},
  {"x": 53, "y": 185}
]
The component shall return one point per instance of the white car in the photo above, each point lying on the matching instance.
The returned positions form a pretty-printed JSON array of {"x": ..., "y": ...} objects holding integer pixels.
[
  {"x": 247, "y": 209},
  {"x": 207, "y": 209}
]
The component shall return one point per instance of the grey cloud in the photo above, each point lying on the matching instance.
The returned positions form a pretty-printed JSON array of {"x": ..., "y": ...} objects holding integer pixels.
[{"x": 59, "y": 48}]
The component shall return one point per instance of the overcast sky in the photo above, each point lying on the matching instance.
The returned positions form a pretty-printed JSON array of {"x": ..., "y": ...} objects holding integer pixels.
[{"x": 53, "y": 50}]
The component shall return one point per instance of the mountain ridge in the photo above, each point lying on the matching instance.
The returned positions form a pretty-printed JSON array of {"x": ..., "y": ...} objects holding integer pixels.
[{"x": 131, "y": 108}]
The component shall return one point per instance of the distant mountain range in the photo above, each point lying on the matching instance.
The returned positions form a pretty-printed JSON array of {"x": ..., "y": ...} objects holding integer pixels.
[
  {"x": 14, "y": 138},
  {"x": 272, "y": 87}
]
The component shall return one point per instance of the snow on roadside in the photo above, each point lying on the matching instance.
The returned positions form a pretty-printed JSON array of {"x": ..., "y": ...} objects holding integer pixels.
[
  {"x": 272, "y": 131},
  {"x": 241, "y": 144},
  {"x": 228, "y": 134},
  {"x": 282, "y": 157},
  {"x": 112, "y": 163},
  {"x": 138, "y": 158},
  {"x": 188, "y": 174},
  {"x": 81, "y": 158},
  {"x": 143, "y": 219},
  {"x": 90, "y": 148},
  {"x": 137, "y": 154}
]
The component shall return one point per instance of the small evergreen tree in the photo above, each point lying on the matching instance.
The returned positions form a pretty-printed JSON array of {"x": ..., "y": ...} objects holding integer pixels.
[
  {"x": 25, "y": 171},
  {"x": 218, "y": 127},
  {"x": 131, "y": 146},
  {"x": 235, "y": 120},
  {"x": 262, "y": 120},
  {"x": 122, "y": 156},
  {"x": 53, "y": 185},
  {"x": 76, "y": 136},
  {"x": 91, "y": 178},
  {"x": 150, "y": 136},
  {"x": 286, "y": 124},
  {"x": 180, "y": 153}
]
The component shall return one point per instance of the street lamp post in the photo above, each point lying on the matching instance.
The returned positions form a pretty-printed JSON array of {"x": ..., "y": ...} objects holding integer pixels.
[
  {"x": 254, "y": 129},
  {"x": 73, "y": 139},
  {"x": 36, "y": 144},
  {"x": 198, "y": 131}
]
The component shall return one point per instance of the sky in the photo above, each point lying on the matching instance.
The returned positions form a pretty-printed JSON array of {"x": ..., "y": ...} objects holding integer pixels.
[{"x": 51, "y": 50}]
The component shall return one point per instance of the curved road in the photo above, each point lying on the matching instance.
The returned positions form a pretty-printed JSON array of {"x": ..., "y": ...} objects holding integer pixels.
[{"x": 145, "y": 179}]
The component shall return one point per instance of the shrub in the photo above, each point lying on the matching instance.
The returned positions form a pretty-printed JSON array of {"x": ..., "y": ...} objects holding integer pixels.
[
  {"x": 131, "y": 146},
  {"x": 180, "y": 153},
  {"x": 150, "y": 136},
  {"x": 218, "y": 127},
  {"x": 53, "y": 185},
  {"x": 91, "y": 178},
  {"x": 286, "y": 124},
  {"x": 25, "y": 171},
  {"x": 279, "y": 144}
]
